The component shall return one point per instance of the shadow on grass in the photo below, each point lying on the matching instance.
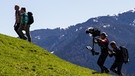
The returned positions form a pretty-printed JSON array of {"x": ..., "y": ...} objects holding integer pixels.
[{"x": 96, "y": 73}]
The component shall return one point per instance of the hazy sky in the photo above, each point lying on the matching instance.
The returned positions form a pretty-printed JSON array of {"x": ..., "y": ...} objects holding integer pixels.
[{"x": 60, "y": 13}]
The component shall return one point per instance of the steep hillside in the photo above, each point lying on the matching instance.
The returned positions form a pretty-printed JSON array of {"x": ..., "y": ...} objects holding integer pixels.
[
  {"x": 70, "y": 43},
  {"x": 21, "y": 58}
]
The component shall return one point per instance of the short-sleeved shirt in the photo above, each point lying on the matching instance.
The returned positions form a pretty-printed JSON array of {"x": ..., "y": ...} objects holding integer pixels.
[
  {"x": 104, "y": 46},
  {"x": 24, "y": 19},
  {"x": 18, "y": 16}
]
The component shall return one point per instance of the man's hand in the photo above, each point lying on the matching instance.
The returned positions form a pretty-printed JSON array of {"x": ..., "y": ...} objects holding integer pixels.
[{"x": 99, "y": 40}]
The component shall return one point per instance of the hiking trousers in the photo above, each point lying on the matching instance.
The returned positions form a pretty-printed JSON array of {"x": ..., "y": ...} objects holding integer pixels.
[
  {"x": 101, "y": 61},
  {"x": 16, "y": 29},
  {"x": 117, "y": 65},
  {"x": 27, "y": 30}
]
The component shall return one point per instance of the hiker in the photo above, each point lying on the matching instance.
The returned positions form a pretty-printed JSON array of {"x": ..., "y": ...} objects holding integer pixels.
[
  {"x": 103, "y": 43},
  {"x": 24, "y": 26},
  {"x": 117, "y": 52},
  {"x": 17, "y": 19}
]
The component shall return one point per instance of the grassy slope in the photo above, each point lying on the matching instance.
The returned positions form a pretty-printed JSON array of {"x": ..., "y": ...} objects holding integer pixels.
[{"x": 21, "y": 58}]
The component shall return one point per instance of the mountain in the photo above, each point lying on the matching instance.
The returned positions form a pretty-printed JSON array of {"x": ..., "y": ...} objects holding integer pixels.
[
  {"x": 70, "y": 43},
  {"x": 21, "y": 58}
]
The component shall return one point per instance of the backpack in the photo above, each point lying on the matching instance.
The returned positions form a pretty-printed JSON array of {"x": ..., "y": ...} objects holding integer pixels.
[
  {"x": 30, "y": 18},
  {"x": 124, "y": 54}
]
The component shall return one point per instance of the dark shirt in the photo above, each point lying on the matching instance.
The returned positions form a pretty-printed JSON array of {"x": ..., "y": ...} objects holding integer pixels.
[
  {"x": 104, "y": 46},
  {"x": 118, "y": 55}
]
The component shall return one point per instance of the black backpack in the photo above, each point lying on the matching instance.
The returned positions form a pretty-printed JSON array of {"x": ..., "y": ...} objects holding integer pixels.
[
  {"x": 30, "y": 17},
  {"x": 124, "y": 54}
]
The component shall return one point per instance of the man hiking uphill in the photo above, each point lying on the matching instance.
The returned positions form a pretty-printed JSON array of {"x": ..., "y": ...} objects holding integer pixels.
[
  {"x": 17, "y": 19},
  {"x": 121, "y": 56},
  {"x": 24, "y": 25},
  {"x": 103, "y": 43}
]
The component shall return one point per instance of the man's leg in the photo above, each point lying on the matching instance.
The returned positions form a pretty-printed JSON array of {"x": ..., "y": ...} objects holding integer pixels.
[
  {"x": 101, "y": 62},
  {"x": 27, "y": 29},
  {"x": 119, "y": 68},
  {"x": 21, "y": 33},
  {"x": 16, "y": 29},
  {"x": 113, "y": 67}
]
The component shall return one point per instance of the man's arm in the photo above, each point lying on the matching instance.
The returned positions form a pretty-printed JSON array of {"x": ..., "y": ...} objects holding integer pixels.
[
  {"x": 111, "y": 52},
  {"x": 103, "y": 40},
  {"x": 15, "y": 22}
]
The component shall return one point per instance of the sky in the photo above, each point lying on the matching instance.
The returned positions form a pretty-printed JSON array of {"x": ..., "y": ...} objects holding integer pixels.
[{"x": 59, "y": 13}]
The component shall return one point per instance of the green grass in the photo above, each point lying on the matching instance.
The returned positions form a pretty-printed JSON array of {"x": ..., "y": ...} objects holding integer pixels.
[{"x": 21, "y": 58}]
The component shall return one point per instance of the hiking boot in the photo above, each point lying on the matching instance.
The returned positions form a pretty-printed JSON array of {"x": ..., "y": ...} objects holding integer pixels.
[
  {"x": 121, "y": 74},
  {"x": 107, "y": 71},
  {"x": 25, "y": 38},
  {"x": 102, "y": 71}
]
